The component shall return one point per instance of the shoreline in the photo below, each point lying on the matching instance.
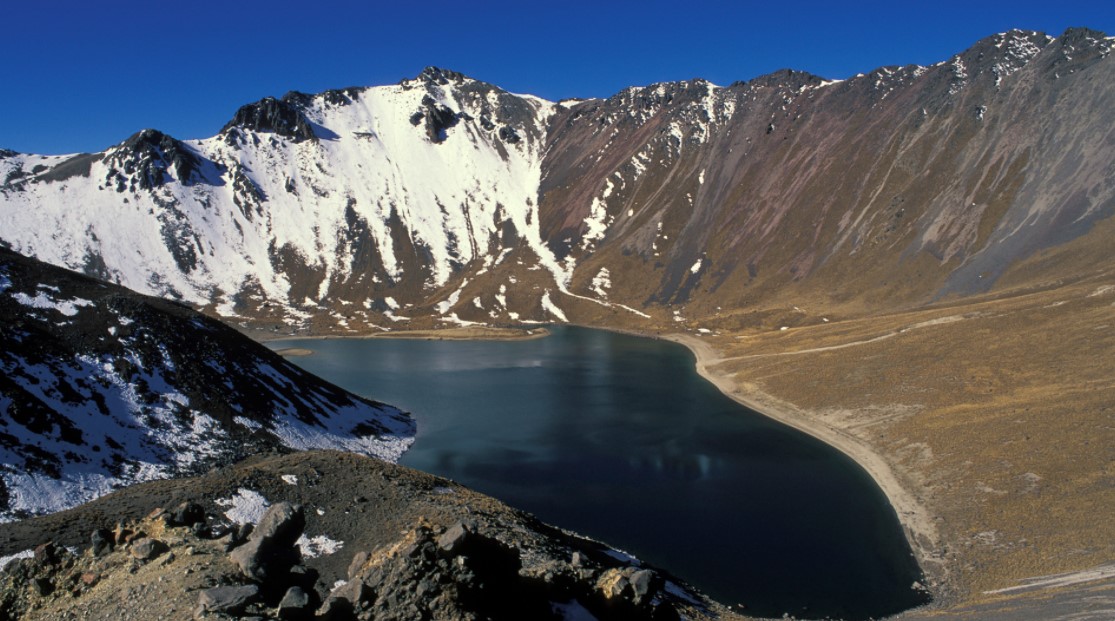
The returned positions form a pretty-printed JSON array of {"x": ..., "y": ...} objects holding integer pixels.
[
  {"x": 471, "y": 333},
  {"x": 915, "y": 518},
  {"x": 294, "y": 352}
]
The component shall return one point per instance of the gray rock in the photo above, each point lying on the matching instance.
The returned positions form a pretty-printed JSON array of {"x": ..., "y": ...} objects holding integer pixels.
[
  {"x": 102, "y": 541},
  {"x": 227, "y": 599},
  {"x": 357, "y": 563},
  {"x": 46, "y": 554},
  {"x": 644, "y": 584},
  {"x": 345, "y": 600},
  {"x": 334, "y": 609},
  {"x": 633, "y": 592},
  {"x": 146, "y": 548},
  {"x": 42, "y": 586},
  {"x": 354, "y": 591},
  {"x": 295, "y": 604},
  {"x": 281, "y": 523},
  {"x": 453, "y": 540},
  {"x": 270, "y": 550},
  {"x": 186, "y": 514}
]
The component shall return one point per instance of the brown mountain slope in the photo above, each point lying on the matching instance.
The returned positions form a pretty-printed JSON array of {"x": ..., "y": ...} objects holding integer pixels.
[{"x": 884, "y": 191}]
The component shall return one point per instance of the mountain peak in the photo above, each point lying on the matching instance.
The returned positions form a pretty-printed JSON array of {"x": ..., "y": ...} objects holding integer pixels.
[
  {"x": 792, "y": 78},
  {"x": 1079, "y": 34},
  {"x": 441, "y": 76},
  {"x": 147, "y": 155},
  {"x": 279, "y": 116}
]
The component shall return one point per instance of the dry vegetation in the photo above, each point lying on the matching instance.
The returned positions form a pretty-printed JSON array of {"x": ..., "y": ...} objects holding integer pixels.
[{"x": 997, "y": 413}]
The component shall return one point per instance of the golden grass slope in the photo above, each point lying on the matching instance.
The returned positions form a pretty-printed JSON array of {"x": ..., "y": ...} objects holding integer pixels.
[{"x": 996, "y": 414}]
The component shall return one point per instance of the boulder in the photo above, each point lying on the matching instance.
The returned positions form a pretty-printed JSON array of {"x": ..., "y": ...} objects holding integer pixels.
[
  {"x": 42, "y": 586},
  {"x": 227, "y": 599},
  {"x": 146, "y": 548},
  {"x": 633, "y": 593},
  {"x": 295, "y": 604},
  {"x": 186, "y": 514},
  {"x": 357, "y": 564},
  {"x": 271, "y": 550},
  {"x": 644, "y": 585},
  {"x": 45, "y": 554},
  {"x": 454, "y": 540},
  {"x": 102, "y": 541},
  {"x": 345, "y": 600}
]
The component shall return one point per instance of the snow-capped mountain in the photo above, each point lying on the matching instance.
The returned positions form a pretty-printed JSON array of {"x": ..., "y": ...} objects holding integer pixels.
[
  {"x": 446, "y": 199},
  {"x": 101, "y": 387}
]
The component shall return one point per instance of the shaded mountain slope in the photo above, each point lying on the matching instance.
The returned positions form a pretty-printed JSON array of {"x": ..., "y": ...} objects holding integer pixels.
[{"x": 101, "y": 387}]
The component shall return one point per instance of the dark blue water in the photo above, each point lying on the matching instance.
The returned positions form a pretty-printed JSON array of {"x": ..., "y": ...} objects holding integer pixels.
[{"x": 618, "y": 438}]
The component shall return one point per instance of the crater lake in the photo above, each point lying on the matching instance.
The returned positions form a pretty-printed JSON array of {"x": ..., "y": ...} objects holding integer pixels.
[{"x": 618, "y": 438}]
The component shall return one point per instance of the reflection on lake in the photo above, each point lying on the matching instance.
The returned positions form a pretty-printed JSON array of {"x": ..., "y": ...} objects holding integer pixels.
[{"x": 618, "y": 438}]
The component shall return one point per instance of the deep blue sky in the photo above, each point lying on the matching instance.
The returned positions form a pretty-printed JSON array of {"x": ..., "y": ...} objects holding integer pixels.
[{"x": 80, "y": 75}]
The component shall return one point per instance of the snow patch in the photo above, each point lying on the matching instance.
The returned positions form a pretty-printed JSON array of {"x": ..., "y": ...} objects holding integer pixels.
[
  {"x": 597, "y": 222},
  {"x": 444, "y": 306},
  {"x": 602, "y": 282},
  {"x": 622, "y": 556},
  {"x": 290, "y": 479},
  {"x": 247, "y": 422},
  {"x": 319, "y": 545},
  {"x": 151, "y": 423},
  {"x": 246, "y": 507},
  {"x": 43, "y": 300},
  {"x": 552, "y": 308},
  {"x": 5, "y": 560}
]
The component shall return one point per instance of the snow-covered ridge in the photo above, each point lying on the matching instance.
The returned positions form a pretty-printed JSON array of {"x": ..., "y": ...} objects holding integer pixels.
[{"x": 441, "y": 164}]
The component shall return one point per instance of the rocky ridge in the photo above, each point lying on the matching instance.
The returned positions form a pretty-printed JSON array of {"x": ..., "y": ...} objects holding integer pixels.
[{"x": 461, "y": 556}]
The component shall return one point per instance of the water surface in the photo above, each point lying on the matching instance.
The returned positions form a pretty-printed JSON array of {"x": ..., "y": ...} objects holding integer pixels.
[{"x": 618, "y": 438}]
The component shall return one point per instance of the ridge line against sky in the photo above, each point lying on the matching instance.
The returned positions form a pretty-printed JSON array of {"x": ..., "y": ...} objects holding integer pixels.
[{"x": 83, "y": 76}]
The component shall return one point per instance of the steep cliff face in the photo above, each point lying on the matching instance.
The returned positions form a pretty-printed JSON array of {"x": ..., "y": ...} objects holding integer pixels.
[{"x": 447, "y": 200}]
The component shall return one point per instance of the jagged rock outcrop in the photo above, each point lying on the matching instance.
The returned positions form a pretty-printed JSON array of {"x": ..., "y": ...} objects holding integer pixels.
[
  {"x": 282, "y": 117},
  {"x": 146, "y": 161}
]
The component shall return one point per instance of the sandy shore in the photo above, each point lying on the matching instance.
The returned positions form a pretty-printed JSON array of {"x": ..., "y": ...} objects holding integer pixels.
[
  {"x": 293, "y": 352},
  {"x": 469, "y": 333},
  {"x": 474, "y": 333},
  {"x": 916, "y": 520}
]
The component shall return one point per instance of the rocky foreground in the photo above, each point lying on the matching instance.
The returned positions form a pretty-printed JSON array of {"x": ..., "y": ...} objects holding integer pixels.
[{"x": 275, "y": 539}]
